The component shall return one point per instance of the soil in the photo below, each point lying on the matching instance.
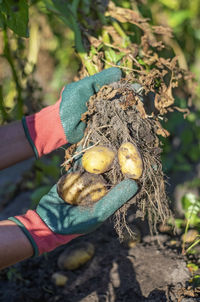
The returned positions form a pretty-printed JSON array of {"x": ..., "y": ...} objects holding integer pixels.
[
  {"x": 146, "y": 272},
  {"x": 117, "y": 114}
]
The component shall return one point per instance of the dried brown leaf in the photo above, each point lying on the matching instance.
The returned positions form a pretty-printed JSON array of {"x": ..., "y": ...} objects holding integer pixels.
[
  {"x": 124, "y": 15},
  {"x": 140, "y": 108},
  {"x": 162, "y": 30},
  {"x": 161, "y": 131}
]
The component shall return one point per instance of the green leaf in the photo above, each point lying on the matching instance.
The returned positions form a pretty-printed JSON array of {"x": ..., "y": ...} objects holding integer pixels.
[
  {"x": 196, "y": 280},
  {"x": 194, "y": 153},
  {"x": 193, "y": 266},
  {"x": 187, "y": 200},
  {"x": 64, "y": 8},
  {"x": 179, "y": 223},
  {"x": 16, "y": 16},
  {"x": 2, "y": 19},
  {"x": 183, "y": 167},
  {"x": 177, "y": 18},
  {"x": 86, "y": 6},
  {"x": 191, "y": 207},
  {"x": 112, "y": 56}
]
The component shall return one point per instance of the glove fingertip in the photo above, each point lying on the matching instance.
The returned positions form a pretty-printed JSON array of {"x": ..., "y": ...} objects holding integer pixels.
[
  {"x": 112, "y": 74},
  {"x": 105, "y": 77},
  {"x": 115, "y": 198}
]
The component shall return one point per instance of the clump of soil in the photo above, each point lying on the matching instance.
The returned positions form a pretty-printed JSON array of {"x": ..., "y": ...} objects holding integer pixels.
[{"x": 117, "y": 114}]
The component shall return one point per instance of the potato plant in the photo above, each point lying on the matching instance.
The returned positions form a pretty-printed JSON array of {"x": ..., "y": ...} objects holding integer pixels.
[
  {"x": 132, "y": 111},
  {"x": 128, "y": 113}
]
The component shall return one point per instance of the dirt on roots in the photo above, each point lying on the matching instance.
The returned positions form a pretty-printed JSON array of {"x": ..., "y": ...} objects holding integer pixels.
[{"x": 117, "y": 114}]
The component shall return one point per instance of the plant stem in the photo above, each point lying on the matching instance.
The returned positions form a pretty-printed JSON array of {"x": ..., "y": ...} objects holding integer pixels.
[
  {"x": 186, "y": 230},
  {"x": 7, "y": 54},
  {"x": 91, "y": 68},
  {"x": 101, "y": 16},
  {"x": 192, "y": 245},
  {"x": 106, "y": 40},
  {"x": 119, "y": 30},
  {"x": 75, "y": 5}
]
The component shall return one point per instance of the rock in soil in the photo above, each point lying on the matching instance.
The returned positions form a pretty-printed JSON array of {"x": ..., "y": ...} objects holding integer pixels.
[{"x": 59, "y": 279}]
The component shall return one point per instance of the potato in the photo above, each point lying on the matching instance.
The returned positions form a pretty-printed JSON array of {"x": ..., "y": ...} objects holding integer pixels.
[
  {"x": 59, "y": 279},
  {"x": 98, "y": 159},
  {"x": 76, "y": 255},
  {"x": 190, "y": 236},
  {"x": 78, "y": 188},
  {"x": 130, "y": 161}
]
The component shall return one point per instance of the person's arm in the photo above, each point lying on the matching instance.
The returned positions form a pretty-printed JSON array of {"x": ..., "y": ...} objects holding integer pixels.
[
  {"x": 14, "y": 146},
  {"x": 14, "y": 245}
]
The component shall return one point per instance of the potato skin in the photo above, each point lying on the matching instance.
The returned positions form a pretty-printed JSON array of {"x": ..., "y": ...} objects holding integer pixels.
[
  {"x": 76, "y": 256},
  {"x": 130, "y": 161},
  {"x": 98, "y": 159},
  {"x": 78, "y": 188},
  {"x": 59, "y": 279}
]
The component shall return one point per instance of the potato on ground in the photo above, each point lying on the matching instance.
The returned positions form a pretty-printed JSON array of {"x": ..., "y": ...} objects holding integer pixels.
[
  {"x": 59, "y": 279},
  {"x": 130, "y": 161},
  {"x": 76, "y": 255},
  {"x": 78, "y": 188},
  {"x": 98, "y": 159}
]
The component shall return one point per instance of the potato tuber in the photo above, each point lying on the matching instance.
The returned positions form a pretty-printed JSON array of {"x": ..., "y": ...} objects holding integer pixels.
[
  {"x": 130, "y": 161},
  {"x": 76, "y": 256},
  {"x": 78, "y": 188},
  {"x": 59, "y": 279},
  {"x": 98, "y": 159}
]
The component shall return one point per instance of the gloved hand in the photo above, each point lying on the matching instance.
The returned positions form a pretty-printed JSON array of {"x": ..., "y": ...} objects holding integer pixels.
[
  {"x": 56, "y": 125},
  {"x": 55, "y": 222}
]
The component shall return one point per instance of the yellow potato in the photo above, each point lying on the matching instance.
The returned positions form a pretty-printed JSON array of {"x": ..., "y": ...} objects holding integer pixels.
[
  {"x": 92, "y": 193},
  {"x": 190, "y": 236},
  {"x": 76, "y": 256},
  {"x": 59, "y": 279},
  {"x": 78, "y": 188},
  {"x": 130, "y": 161},
  {"x": 98, "y": 159}
]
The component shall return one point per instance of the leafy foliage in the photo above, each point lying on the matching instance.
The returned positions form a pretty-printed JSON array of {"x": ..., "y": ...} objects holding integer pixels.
[
  {"x": 191, "y": 208},
  {"x": 14, "y": 14}
]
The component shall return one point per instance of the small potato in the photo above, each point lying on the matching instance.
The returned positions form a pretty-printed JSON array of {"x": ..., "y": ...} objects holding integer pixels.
[
  {"x": 130, "y": 161},
  {"x": 98, "y": 159},
  {"x": 190, "y": 236},
  {"x": 76, "y": 255},
  {"x": 78, "y": 188},
  {"x": 59, "y": 279}
]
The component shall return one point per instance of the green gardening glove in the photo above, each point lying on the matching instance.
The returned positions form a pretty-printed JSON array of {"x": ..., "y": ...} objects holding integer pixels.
[
  {"x": 55, "y": 222},
  {"x": 61, "y": 123}
]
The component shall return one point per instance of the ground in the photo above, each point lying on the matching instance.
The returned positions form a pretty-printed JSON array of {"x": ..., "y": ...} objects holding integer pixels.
[{"x": 153, "y": 270}]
